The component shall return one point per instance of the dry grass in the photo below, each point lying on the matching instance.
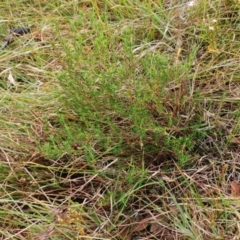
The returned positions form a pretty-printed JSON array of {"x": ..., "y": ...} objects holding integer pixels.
[{"x": 120, "y": 120}]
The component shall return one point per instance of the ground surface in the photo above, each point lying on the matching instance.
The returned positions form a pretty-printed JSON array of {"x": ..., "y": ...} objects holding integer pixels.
[{"x": 120, "y": 120}]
